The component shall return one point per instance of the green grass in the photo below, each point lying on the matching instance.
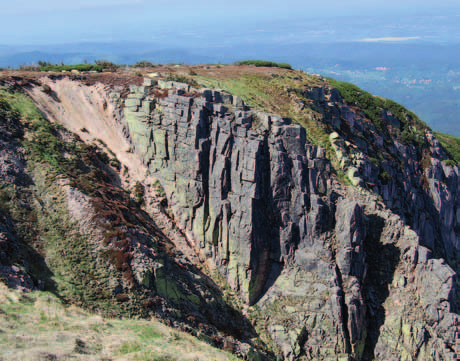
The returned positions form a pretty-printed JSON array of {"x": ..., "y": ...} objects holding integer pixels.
[
  {"x": 143, "y": 64},
  {"x": 343, "y": 177},
  {"x": 79, "y": 67},
  {"x": 272, "y": 95},
  {"x": 451, "y": 144},
  {"x": 16, "y": 105},
  {"x": 260, "y": 63},
  {"x": 38, "y": 323},
  {"x": 249, "y": 87},
  {"x": 411, "y": 125}
]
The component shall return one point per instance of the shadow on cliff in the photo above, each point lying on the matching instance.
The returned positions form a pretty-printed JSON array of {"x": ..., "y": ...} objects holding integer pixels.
[
  {"x": 382, "y": 260},
  {"x": 19, "y": 250},
  {"x": 268, "y": 269},
  {"x": 418, "y": 209},
  {"x": 39, "y": 270},
  {"x": 430, "y": 231},
  {"x": 191, "y": 299},
  {"x": 266, "y": 238}
]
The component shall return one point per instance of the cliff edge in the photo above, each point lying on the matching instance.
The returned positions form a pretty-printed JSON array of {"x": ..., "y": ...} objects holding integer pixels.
[{"x": 329, "y": 216}]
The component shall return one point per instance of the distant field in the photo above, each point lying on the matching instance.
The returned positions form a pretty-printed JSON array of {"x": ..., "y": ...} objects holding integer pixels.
[{"x": 423, "y": 76}]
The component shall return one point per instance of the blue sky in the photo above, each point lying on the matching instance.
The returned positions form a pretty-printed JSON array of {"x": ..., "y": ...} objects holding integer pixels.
[{"x": 57, "y": 21}]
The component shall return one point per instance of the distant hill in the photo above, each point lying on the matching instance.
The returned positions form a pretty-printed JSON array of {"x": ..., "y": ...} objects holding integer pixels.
[{"x": 423, "y": 76}]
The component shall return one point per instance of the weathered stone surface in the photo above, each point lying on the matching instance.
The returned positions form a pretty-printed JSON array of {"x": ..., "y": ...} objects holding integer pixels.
[
  {"x": 150, "y": 82},
  {"x": 336, "y": 275},
  {"x": 420, "y": 188},
  {"x": 388, "y": 117},
  {"x": 351, "y": 233}
]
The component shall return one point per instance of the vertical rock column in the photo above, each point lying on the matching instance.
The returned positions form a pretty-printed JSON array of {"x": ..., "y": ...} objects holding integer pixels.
[{"x": 351, "y": 269}]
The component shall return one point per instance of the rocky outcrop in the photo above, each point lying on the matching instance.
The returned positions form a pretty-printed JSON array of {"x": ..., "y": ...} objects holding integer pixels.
[
  {"x": 326, "y": 271},
  {"x": 414, "y": 182},
  {"x": 335, "y": 273}
]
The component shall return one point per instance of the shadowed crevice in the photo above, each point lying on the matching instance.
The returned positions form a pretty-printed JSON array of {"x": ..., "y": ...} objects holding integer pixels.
[{"x": 382, "y": 260}]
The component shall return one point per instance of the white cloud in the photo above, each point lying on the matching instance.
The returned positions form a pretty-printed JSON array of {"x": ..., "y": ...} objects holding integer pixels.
[
  {"x": 32, "y": 6},
  {"x": 391, "y": 39}
]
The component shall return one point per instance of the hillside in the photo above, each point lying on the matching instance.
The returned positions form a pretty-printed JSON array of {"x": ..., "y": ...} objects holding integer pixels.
[
  {"x": 41, "y": 327},
  {"x": 270, "y": 213}
]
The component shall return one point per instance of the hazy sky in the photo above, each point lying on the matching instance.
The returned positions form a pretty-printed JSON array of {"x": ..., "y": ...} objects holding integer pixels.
[{"x": 54, "y": 21}]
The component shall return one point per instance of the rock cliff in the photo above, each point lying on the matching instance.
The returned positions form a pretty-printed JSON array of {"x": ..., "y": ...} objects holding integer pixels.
[
  {"x": 336, "y": 271},
  {"x": 348, "y": 251}
]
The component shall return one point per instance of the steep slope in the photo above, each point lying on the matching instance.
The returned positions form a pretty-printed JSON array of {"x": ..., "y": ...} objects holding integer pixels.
[
  {"x": 69, "y": 227},
  {"x": 333, "y": 214}
]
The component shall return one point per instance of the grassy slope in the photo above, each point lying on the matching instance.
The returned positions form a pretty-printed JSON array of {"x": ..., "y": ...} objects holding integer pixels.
[
  {"x": 279, "y": 91},
  {"x": 451, "y": 144},
  {"x": 412, "y": 127},
  {"x": 274, "y": 91},
  {"x": 53, "y": 232},
  {"x": 38, "y": 324}
]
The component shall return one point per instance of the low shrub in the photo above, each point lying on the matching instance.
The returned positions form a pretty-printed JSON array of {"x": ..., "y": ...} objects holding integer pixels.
[
  {"x": 385, "y": 177},
  {"x": 265, "y": 63},
  {"x": 354, "y": 95},
  {"x": 143, "y": 64},
  {"x": 373, "y": 106},
  {"x": 107, "y": 65},
  {"x": 138, "y": 193},
  {"x": 450, "y": 162},
  {"x": 79, "y": 67},
  {"x": 374, "y": 161}
]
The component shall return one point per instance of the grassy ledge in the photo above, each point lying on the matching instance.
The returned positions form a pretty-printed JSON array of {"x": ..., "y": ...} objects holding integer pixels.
[
  {"x": 452, "y": 145},
  {"x": 412, "y": 128}
]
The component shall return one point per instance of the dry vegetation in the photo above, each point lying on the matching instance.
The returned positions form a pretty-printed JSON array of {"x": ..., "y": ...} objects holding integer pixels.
[{"x": 38, "y": 326}]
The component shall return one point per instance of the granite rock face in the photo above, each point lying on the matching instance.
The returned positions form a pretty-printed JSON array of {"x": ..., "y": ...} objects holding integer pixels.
[
  {"x": 336, "y": 274},
  {"x": 414, "y": 183},
  {"x": 420, "y": 188}
]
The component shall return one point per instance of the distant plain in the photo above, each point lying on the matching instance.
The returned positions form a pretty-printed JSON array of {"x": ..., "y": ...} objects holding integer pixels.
[{"x": 414, "y": 60}]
